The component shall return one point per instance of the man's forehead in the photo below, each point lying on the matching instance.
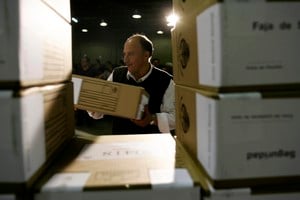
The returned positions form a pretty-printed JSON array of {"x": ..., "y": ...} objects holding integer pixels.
[{"x": 132, "y": 44}]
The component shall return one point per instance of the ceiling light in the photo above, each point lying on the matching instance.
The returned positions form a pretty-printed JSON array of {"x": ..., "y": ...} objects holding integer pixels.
[
  {"x": 74, "y": 20},
  {"x": 103, "y": 23},
  {"x": 84, "y": 30},
  {"x": 136, "y": 15},
  {"x": 172, "y": 19},
  {"x": 160, "y": 32}
]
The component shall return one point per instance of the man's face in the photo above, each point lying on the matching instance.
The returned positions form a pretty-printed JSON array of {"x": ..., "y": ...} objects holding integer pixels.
[{"x": 134, "y": 56}]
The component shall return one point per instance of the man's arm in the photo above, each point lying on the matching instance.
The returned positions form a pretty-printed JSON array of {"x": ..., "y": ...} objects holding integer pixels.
[
  {"x": 165, "y": 120},
  {"x": 167, "y": 114}
]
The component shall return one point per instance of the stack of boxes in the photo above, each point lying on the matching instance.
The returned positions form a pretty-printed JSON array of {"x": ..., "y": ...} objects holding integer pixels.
[
  {"x": 237, "y": 79},
  {"x": 36, "y": 92}
]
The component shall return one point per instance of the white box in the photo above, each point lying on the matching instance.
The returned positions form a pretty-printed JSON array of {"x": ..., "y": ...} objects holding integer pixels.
[
  {"x": 62, "y": 7},
  {"x": 236, "y": 43},
  {"x": 35, "y": 123},
  {"x": 119, "y": 167},
  {"x": 241, "y": 139},
  {"x": 35, "y": 44}
]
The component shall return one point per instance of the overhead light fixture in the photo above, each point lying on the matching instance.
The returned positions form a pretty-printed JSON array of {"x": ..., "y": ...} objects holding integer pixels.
[
  {"x": 84, "y": 30},
  {"x": 136, "y": 15},
  {"x": 103, "y": 23},
  {"x": 172, "y": 19},
  {"x": 74, "y": 19},
  {"x": 159, "y": 32}
]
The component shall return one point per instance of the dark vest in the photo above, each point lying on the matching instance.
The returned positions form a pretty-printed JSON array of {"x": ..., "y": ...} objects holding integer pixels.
[{"x": 155, "y": 84}]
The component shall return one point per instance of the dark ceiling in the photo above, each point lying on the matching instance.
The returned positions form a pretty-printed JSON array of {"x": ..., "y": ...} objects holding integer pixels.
[{"x": 117, "y": 13}]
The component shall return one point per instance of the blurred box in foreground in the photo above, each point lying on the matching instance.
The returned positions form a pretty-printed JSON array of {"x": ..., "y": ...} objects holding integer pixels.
[
  {"x": 35, "y": 123},
  {"x": 119, "y": 167},
  {"x": 94, "y": 94},
  {"x": 35, "y": 45},
  {"x": 62, "y": 7}
]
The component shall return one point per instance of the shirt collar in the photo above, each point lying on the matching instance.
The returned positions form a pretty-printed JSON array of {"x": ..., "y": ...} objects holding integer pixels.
[{"x": 129, "y": 75}]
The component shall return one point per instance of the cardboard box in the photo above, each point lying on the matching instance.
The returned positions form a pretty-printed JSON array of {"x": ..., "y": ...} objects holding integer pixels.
[
  {"x": 62, "y": 7},
  {"x": 119, "y": 167},
  {"x": 109, "y": 97},
  {"x": 208, "y": 192},
  {"x": 35, "y": 45},
  {"x": 241, "y": 139},
  {"x": 35, "y": 123},
  {"x": 222, "y": 45}
]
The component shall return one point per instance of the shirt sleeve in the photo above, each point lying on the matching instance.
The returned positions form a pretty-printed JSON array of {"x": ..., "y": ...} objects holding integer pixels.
[{"x": 167, "y": 114}]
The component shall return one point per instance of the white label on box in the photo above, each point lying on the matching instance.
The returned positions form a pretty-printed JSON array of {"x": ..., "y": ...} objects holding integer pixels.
[
  {"x": 265, "y": 132},
  {"x": 170, "y": 178},
  {"x": 66, "y": 182},
  {"x": 209, "y": 45},
  {"x": 22, "y": 137},
  {"x": 227, "y": 33},
  {"x": 31, "y": 62},
  {"x": 77, "y": 83},
  {"x": 123, "y": 150},
  {"x": 33, "y": 132}
]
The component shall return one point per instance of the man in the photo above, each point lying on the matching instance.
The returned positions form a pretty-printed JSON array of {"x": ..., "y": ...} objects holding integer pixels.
[{"x": 159, "y": 114}]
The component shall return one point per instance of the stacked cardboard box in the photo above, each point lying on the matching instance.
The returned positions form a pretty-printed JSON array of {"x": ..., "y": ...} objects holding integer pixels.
[
  {"x": 237, "y": 92},
  {"x": 107, "y": 97},
  {"x": 147, "y": 166},
  {"x": 35, "y": 44},
  {"x": 36, "y": 92},
  {"x": 236, "y": 45}
]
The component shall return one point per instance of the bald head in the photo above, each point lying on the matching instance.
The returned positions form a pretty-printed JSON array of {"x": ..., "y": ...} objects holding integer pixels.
[{"x": 144, "y": 41}]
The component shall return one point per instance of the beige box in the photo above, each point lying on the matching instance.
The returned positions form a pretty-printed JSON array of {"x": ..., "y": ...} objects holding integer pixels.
[
  {"x": 94, "y": 94},
  {"x": 289, "y": 191},
  {"x": 35, "y": 44},
  {"x": 62, "y": 7},
  {"x": 234, "y": 45},
  {"x": 119, "y": 167},
  {"x": 241, "y": 139},
  {"x": 35, "y": 123}
]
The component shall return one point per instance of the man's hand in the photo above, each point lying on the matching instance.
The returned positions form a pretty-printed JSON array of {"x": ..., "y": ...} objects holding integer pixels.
[{"x": 146, "y": 120}]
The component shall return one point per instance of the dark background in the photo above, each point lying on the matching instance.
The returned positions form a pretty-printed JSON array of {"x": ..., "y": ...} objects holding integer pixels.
[{"x": 106, "y": 43}]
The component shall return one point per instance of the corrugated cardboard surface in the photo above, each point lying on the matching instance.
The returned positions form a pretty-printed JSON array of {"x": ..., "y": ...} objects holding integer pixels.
[{"x": 109, "y": 97}]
